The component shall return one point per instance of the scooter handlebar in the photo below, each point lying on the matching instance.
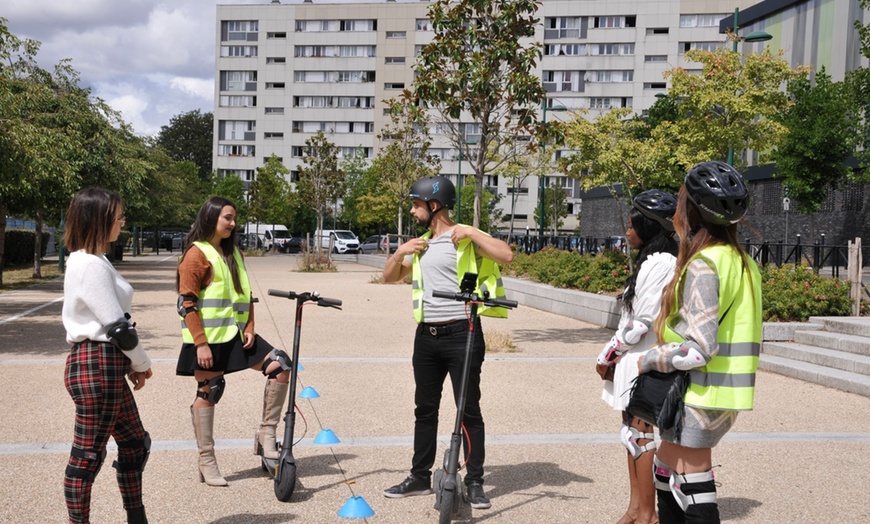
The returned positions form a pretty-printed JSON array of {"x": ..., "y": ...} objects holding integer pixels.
[
  {"x": 305, "y": 297},
  {"x": 328, "y": 302},
  {"x": 282, "y": 294},
  {"x": 465, "y": 297}
]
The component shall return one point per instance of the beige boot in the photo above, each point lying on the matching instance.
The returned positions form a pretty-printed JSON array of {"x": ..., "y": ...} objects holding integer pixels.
[
  {"x": 203, "y": 427},
  {"x": 273, "y": 406}
]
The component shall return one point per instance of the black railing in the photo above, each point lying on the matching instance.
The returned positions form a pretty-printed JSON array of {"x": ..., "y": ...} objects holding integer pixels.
[{"x": 583, "y": 245}]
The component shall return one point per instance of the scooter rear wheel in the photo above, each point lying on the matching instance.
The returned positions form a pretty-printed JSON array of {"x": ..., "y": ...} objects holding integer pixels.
[{"x": 285, "y": 481}]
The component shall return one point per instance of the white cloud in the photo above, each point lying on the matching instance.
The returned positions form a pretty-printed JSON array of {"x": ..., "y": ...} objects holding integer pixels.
[{"x": 202, "y": 88}]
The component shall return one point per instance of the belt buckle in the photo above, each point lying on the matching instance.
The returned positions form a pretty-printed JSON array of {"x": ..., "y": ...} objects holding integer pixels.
[{"x": 433, "y": 331}]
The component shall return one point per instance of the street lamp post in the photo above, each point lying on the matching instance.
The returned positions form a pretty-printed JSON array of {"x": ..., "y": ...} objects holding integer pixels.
[{"x": 755, "y": 36}]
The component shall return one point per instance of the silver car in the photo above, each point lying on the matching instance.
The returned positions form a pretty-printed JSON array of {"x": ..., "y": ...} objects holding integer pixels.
[{"x": 378, "y": 244}]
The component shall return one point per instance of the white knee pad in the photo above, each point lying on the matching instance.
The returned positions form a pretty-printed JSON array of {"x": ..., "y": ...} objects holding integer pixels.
[
  {"x": 661, "y": 475},
  {"x": 703, "y": 497},
  {"x": 629, "y": 437}
]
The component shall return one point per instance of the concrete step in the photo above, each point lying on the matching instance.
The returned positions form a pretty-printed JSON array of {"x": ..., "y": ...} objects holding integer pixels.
[
  {"x": 820, "y": 356},
  {"x": 859, "y": 326},
  {"x": 832, "y": 378},
  {"x": 831, "y": 340}
]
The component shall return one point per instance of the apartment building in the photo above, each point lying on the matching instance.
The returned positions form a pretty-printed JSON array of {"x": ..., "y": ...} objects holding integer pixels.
[{"x": 286, "y": 71}]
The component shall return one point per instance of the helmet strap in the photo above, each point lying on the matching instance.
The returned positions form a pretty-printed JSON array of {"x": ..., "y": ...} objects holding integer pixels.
[{"x": 432, "y": 213}]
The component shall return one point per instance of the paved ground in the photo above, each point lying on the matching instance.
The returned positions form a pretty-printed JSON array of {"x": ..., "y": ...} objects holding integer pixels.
[{"x": 552, "y": 454}]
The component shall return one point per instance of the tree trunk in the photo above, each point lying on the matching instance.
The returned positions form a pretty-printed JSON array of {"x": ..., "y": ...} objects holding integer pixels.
[
  {"x": 37, "y": 247},
  {"x": 2, "y": 239},
  {"x": 478, "y": 193}
]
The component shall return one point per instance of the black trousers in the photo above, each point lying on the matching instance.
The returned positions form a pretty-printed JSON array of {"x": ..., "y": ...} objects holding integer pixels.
[{"x": 436, "y": 356}]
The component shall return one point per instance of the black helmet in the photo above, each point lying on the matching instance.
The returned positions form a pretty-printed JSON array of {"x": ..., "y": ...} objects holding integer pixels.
[
  {"x": 719, "y": 192},
  {"x": 657, "y": 205},
  {"x": 438, "y": 188}
]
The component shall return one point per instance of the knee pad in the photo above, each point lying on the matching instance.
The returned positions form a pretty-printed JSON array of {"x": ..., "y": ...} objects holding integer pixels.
[
  {"x": 661, "y": 475},
  {"x": 138, "y": 465},
  {"x": 693, "y": 488},
  {"x": 282, "y": 358},
  {"x": 86, "y": 473},
  {"x": 629, "y": 437},
  {"x": 215, "y": 391}
]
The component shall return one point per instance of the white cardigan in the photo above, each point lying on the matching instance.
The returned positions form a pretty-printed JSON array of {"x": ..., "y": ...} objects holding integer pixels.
[{"x": 95, "y": 297}]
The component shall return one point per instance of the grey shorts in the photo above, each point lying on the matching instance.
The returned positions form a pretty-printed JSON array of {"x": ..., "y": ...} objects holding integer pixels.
[{"x": 702, "y": 428}]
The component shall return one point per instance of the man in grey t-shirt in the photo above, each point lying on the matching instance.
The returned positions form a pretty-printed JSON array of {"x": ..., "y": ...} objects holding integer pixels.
[{"x": 442, "y": 331}]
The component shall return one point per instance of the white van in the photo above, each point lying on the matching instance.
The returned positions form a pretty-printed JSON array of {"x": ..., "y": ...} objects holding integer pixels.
[
  {"x": 343, "y": 241},
  {"x": 270, "y": 235}
]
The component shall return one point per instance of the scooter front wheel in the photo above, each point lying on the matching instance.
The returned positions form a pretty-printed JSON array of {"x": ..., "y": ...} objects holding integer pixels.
[
  {"x": 285, "y": 481},
  {"x": 448, "y": 496}
]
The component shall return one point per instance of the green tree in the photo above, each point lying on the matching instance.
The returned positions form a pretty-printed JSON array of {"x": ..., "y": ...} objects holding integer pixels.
[
  {"x": 189, "y": 137},
  {"x": 555, "y": 208},
  {"x": 356, "y": 168},
  {"x": 822, "y": 132},
  {"x": 859, "y": 85},
  {"x": 533, "y": 162},
  {"x": 232, "y": 188},
  {"x": 731, "y": 104},
  {"x": 269, "y": 193},
  {"x": 321, "y": 181},
  {"x": 480, "y": 65},
  {"x": 405, "y": 158}
]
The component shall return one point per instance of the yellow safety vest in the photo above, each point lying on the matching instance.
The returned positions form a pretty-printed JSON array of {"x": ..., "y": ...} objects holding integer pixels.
[
  {"x": 488, "y": 279},
  {"x": 224, "y": 311},
  {"x": 728, "y": 380}
]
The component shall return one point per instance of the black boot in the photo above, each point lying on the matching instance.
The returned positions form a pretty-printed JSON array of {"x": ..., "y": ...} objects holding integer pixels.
[{"x": 137, "y": 516}]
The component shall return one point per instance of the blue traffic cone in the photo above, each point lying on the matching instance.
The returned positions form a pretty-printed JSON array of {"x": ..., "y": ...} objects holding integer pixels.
[
  {"x": 356, "y": 508},
  {"x": 309, "y": 392},
  {"x": 299, "y": 367},
  {"x": 326, "y": 436}
]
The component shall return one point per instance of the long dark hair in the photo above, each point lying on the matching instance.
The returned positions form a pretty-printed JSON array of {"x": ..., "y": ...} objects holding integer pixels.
[
  {"x": 655, "y": 239},
  {"x": 695, "y": 234},
  {"x": 90, "y": 218},
  {"x": 203, "y": 228}
]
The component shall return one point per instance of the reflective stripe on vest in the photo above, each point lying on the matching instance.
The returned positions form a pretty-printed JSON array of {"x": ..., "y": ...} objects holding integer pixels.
[
  {"x": 728, "y": 380},
  {"x": 488, "y": 278},
  {"x": 223, "y": 310}
]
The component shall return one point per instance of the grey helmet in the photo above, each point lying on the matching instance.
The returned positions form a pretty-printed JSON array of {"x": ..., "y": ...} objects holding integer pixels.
[
  {"x": 438, "y": 188},
  {"x": 657, "y": 205},
  {"x": 719, "y": 192}
]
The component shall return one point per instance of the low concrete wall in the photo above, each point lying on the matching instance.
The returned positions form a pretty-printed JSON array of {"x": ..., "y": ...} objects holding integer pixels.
[{"x": 601, "y": 310}]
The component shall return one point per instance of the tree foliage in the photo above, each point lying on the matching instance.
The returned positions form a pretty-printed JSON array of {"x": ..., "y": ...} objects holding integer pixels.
[
  {"x": 405, "y": 158},
  {"x": 822, "y": 132},
  {"x": 269, "y": 193},
  {"x": 189, "y": 137},
  {"x": 479, "y": 69},
  {"x": 321, "y": 181},
  {"x": 732, "y": 103}
]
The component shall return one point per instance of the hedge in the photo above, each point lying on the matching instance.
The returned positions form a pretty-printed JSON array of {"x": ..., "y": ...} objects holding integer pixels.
[{"x": 19, "y": 246}]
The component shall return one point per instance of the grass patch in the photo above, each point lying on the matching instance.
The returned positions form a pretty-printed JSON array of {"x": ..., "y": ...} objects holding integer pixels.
[
  {"x": 22, "y": 276},
  {"x": 499, "y": 342}
]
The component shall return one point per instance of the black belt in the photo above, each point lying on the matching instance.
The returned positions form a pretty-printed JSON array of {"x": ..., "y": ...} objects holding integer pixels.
[{"x": 440, "y": 330}]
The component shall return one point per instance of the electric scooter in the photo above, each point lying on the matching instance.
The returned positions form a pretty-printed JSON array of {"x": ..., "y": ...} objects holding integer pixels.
[
  {"x": 283, "y": 469},
  {"x": 449, "y": 492}
]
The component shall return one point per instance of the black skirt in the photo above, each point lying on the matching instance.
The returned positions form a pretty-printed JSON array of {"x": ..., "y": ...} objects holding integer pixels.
[{"x": 229, "y": 357}]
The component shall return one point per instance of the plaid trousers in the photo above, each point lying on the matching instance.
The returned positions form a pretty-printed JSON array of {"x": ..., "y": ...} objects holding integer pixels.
[{"x": 95, "y": 377}]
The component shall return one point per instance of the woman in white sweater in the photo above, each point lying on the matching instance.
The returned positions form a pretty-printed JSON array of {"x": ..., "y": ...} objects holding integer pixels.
[
  {"x": 649, "y": 232},
  {"x": 105, "y": 352}
]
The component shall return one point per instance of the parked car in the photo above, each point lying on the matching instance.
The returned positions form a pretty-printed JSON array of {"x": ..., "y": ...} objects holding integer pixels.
[
  {"x": 378, "y": 244},
  {"x": 249, "y": 241},
  {"x": 292, "y": 245},
  {"x": 342, "y": 241}
]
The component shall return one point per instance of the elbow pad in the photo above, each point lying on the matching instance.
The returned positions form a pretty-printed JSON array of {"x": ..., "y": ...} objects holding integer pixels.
[
  {"x": 611, "y": 352},
  {"x": 183, "y": 311},
  {"x": 634, "y": 331},
  {"x": 123, "y": 334},
  {"x": 688, "y": 356}
]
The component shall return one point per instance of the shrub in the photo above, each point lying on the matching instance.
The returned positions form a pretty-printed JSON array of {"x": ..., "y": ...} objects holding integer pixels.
[
  {"x": 19, "y": 246},
  {"x": 795, "y": 294},
  {"x": 566, "y": 269}
]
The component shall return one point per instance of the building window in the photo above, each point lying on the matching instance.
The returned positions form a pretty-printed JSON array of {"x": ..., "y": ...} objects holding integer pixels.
[
  {"x": 613, "y": 22},
  {"x": 394, "y": 60},
  {"x": 657, "y": 31},
  {"x": 610, "y": 76},
  {"x": 319, "y": 51},
  {"x": 703, "y": 46},
  {"x": 239, "y": 30},
  {"x": 563, "y": 27},
  {"x": 273, "y": 136},
  {"x": 321, "y": 26},
  {"x": 274, "y": 110},
  {"x": 237, "y": 130},
  {"x": 396, "y": 34},
  {"x": 276, "y": 60},
  {"x": 853, "y": 197},
  {"x": 235, "y": 150},
  {"x": 238, "y": 101},
  {"x": 613, "y": 49},
  {"x": 655, "y": 85},
  {"x": 701, "y": 20},
  {"x": 245, "y": 174},
  {"x": 609, "y": 102},
  {"x": 391, "y": 86},
  {"x": 565, "y": 50},
  {"x": 274, "y": 85},
  {"x": 238, "y": 51},
  {"x": 655, "y": 58},
  {"x": 424, "y": 24},
  {"x": 276, "y": 35},
  {"x": 562, "y": 81},
  {"x": 238, "y": 80}
]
